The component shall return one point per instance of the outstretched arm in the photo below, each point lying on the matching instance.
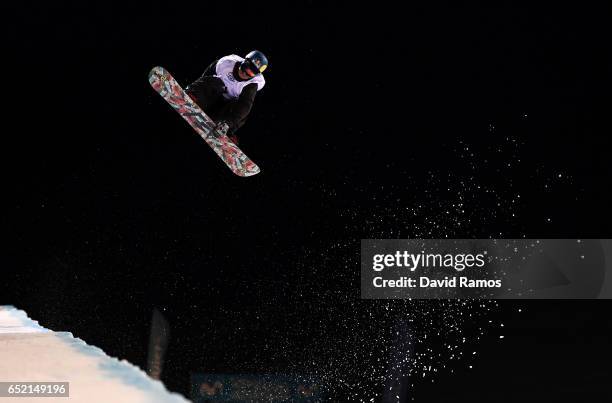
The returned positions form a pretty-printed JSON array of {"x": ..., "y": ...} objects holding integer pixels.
[
  {"x": 211, "y": 70},
  {"x": 207, "y": 88},
  {"x": 196, "y": 86}
]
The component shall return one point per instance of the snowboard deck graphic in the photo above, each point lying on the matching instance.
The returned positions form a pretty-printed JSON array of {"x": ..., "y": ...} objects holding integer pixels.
[{"x": 172, "y": 92}]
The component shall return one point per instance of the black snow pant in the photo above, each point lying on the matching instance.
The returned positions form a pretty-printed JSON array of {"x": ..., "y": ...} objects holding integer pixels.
[{"x": 208, "y": 92}]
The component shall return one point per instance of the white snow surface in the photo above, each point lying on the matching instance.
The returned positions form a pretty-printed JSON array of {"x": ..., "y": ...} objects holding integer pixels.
[{"x": 31, "y": 353}]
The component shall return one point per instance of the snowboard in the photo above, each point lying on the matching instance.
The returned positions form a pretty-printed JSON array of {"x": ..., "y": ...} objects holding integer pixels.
[{"x": 229, "y": 152}]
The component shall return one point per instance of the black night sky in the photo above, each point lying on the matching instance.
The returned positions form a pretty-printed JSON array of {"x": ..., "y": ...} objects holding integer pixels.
[{"x": 376, "y": 121}]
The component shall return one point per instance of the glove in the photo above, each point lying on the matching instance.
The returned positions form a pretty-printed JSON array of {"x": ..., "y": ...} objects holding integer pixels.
[{"x": 222, "y": 127}]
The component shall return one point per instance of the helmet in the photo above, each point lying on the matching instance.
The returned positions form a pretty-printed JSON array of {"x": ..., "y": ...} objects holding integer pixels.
[{"x": 254, "y": 63}]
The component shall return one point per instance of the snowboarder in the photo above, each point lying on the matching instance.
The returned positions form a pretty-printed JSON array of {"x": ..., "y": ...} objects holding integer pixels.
[{"x": 226, "y": 91}]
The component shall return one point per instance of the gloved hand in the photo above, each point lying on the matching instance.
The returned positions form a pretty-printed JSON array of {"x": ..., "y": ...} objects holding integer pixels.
[{"x": 222, "y": 127}]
